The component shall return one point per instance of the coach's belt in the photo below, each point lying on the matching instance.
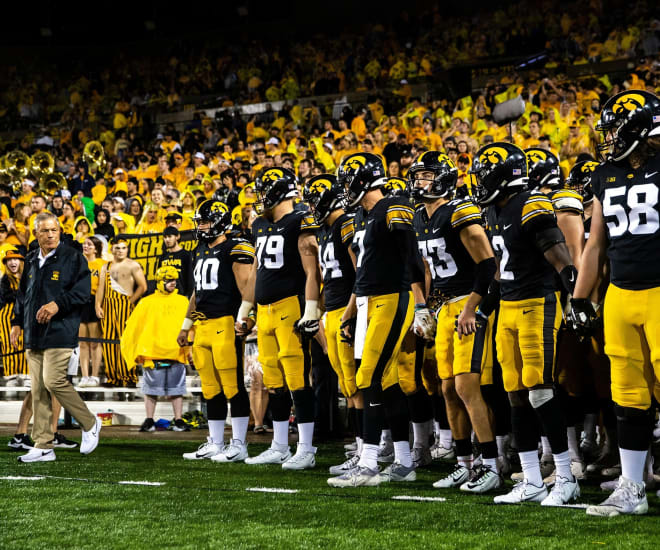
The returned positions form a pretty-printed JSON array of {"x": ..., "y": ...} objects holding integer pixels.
[
  {"x": 438, "y": 299},
  {"x": 163, "y": 364}
]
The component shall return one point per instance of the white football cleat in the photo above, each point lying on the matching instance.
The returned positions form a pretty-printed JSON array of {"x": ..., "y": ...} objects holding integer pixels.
[
  {"x": 345, "y": 466},
  {"x": 386, "y": 451},
  {"x": 458, "y": 476},
  {"x": 205, "y": 450},
  {"x": 438, "y": 452},
  {"x": 90, "y": 439},
  {"x": 38, "y": 455},
  {"x": 272, "y": 455},
  {"x": 523, "y": 492},
  {"x": 628, "y": 498},
  {"x": 483, "y": 480},
  {"x": 421, "y": 456},
  {"x": 236, "y": 451},
  {"x": 357, "y": 477},
  {"x": 397, "y": 472},
  {"x": 563, "y": 492},
  {"x": 302, "y": 460}
]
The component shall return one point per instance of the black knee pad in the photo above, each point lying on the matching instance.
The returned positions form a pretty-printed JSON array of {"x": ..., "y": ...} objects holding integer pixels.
[
  {"x": 304, "y": 403},
  {"x": 525, "y": 428},
  {"x": 373, "y": 415},
  {"x": 240, "y": 404},
  {"x": 497, "y": 402},
  {"x": 419, "y": 406},
  {"x": 635, "y": 427},
  {"x": 216, "y": 407},
  {"x": 280, "y": 404}
]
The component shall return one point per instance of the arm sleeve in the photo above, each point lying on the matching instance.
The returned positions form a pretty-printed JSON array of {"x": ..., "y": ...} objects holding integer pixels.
[{"x": 81, "y": 288}]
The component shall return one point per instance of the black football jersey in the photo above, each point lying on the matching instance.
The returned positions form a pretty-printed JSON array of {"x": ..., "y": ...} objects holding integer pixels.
[
  {"x": 381, "y": 267},
  {"x": 452, "y": 268},
  {"x": 336, "y": 264},
  {"x": 216, "y": 292},
  {"x": 631, "y": 212},
  {"x": 524, "y": 271},
  {"x": 280, "y": 272}
]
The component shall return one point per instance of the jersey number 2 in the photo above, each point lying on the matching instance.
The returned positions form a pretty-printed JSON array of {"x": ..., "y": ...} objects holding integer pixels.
[{"x": 499, "y": 246}]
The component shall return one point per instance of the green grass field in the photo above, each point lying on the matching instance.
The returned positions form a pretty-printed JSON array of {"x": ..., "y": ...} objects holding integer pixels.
[{"x": 80, "y": 504}]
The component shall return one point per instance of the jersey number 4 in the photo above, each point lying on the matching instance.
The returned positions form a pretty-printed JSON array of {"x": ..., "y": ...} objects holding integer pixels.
[
  {"x": 643, "y": 217},
  {"x": 440, "y": 261},
  {"x": 270, "y": 251},
  {"x": 329, "y": 262}
]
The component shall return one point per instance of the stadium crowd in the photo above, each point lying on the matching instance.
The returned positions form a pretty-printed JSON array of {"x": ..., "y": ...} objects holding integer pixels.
[{"x": 217, "y": 176}]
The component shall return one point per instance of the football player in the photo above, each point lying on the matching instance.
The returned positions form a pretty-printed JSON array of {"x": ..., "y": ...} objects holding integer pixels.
[
  {"x": 530, "y": 250},
  {"x": 544, "y": 175},
  {"x": 380, "y": 312},
  {"x": 625, "y": 228},
  {"x": 462, "y": 265},
  {"x": 222, "y": 265},
  {"x": 323, "y": 195},
  {"x": 285, "y": 284}
]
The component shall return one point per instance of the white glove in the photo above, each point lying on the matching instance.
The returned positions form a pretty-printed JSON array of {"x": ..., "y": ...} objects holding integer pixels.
[
  {"x": 424, "y": 323},
  {"x": 308, "y": 325}
]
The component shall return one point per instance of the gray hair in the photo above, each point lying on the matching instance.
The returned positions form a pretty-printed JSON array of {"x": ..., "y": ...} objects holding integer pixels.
[{"x": 43, "y": 217}]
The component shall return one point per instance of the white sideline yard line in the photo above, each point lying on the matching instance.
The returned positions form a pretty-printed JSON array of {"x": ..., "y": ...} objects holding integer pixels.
[
  {"x": 23, "y": 478},
  {"x": 152, "y": 483},
  {"x": 271, "y": 490},
  {"x": 580, "y": 506},
  {"x": 419, "y": 499}
]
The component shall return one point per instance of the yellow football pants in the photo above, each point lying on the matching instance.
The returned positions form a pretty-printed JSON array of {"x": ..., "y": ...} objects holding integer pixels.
[
  {"x": 218, "y": 357},
  {"x": 389, "y": 317},
  {"x": 282, "y": 354},
  {"x": 472, "y": 353},
  {"x": 526, "y": 341},
  {"x": 632, "y": 342},
  {"x": 340, "y": 353}
]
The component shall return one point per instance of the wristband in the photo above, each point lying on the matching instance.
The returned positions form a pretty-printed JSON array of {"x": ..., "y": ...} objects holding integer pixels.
[
  {"x": 244, "y": 310},
  {"x": 311, "y": 309},
  {"x": 420, "y": 306},
  {"x": 187, "y": 324}
]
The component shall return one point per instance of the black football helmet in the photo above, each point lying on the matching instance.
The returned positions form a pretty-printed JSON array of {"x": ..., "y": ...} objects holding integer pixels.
[
  {"x": 217, "y": 214},
  {"x": 501, "y": 170},
  {"x": 273, "y": 186},
  {"x": 395, "y": 187},
  {"x": 323, "y": 195},
  {"x": 444, "y": 179},
  {"x": 543, "y": 169},
  {"x": 579, "y": 179},
  {"x": 359, "y": 173},
  {"x": 627, "y": 119}
]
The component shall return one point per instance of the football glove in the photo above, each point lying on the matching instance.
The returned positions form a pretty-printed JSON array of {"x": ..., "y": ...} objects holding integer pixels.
[
  {"x": 308, "y": 325},
  {"x": 582, "y": 317},
  {"x": 351, "y": 324},
  {"x": 424, "y": 323}
]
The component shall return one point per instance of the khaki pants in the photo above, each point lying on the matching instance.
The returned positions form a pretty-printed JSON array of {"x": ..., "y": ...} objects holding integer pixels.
[{"x": 48, "y": 373}]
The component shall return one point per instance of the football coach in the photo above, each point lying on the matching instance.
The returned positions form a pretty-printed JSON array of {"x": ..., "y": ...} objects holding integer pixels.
[{"x": 55, "y": 285}]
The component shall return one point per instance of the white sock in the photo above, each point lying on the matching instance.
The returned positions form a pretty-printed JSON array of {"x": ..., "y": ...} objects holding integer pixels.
[
  {"x": 360, "y": 444},
  {"x": 305, "y": 436},
  {"x": 281, "y": 432},
  {"x": 545, "y": 443},
  {"x": 369, "y": 456},
  {"x": 446, "y": 439},
  {"x": 402, "y": 453},
  {"x": 502, "y": 444},
  {"x": 632, "y": 464},
  {"x": 573, "y": 445},
  {"x": 466, "y": 461},
  {"x": 239, "y": 426},
  {"x": 563, "y": 464},
  {"x": 590, "y": 423},
  {"x": 436, "y": 428},
  {"x": 529, "y": 460},
  {"x": 420, "y": 434},
  {"x": 385, "y": 435},
  {"x": 217, "y": 431}
]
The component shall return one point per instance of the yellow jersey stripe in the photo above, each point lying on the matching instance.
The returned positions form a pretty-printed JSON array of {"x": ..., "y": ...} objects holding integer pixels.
[
  {"x": 399, "y": 214},
  {"x": 308, "y": 222},
  {"x": 347, "y": 231}
]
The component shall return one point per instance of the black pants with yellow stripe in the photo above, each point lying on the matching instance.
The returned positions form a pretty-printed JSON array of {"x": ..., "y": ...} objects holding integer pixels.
[
  {"x": 116, "y": 310},
  {"x": 13, "y": 360}
]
